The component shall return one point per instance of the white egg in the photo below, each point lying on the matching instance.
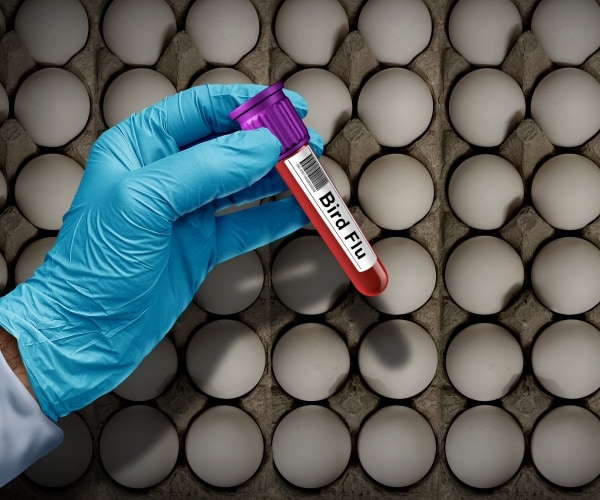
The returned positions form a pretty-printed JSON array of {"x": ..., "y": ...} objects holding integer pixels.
[
  {"x": 485, "y": 106},
  {"x": 484, "y": 361},
  {"x": 223, "y": 76},
  {"x": 138, "y": 31},
  {"x": 139, "y": 446},
  {"x": 45, "y": 188},
  {"x": 3, "y": 191},
  {"x": 397, "y": 359},
  {"x": 569, "y": 32},
  {"x": 483, "y": 274},
  {"x": 396, "y": 446},
  {"x": 306, "y": 277},
  {"x": 52, "y": 32},
  {"x": 311, "y": 446},
  {"x": 565, "y": 359},
  {"x": 485, "y": 446},
  {"x": 4, "y": 105},
  {"x": 70, "y": 461},
  {"x": 311, "y": 361},
  {"x": 224, "y": 446},
  {"x": 396, "y": 191},
  {"x": 565, "y": 446},
  {"x": 133, "y": 91},
  {"x": 566, "y": 106},
  {"x": 153, "y": 375},
  {"x": 310, "y": 31},
  {"x": 225, "y": 359},
  {"x": 485, "y": 191},
  {"x": 3, "y": 273},
  {"x": 411, "y": 273},
  {"x": 396, "y": 106},
  {"x": 223, "y": 32},
  {"x": 233, "y": 285},
  {"x": 565, "y": 275},
  {"x": 396, "y": 31},
  {"x": 484, "y": 32},
  {"x": 328, "y": 99},
  {"x": 565, "y": 191},
  {"x": 32, "y": 257},
  {"x": 53, "y": 106}
]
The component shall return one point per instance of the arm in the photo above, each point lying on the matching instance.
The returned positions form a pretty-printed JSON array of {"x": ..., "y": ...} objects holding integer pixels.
[{"x": 26, "y": 434}]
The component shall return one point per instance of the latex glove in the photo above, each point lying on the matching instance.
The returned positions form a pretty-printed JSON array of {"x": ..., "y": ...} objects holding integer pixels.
[{"x": 140, "y": 237}]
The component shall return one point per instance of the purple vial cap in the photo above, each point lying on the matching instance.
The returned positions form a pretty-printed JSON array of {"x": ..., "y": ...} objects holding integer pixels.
[{"x": 272, "y": 109}]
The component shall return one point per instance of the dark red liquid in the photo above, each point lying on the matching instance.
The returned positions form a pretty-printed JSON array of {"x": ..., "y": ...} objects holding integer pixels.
[{"x": 370, "y": 282}]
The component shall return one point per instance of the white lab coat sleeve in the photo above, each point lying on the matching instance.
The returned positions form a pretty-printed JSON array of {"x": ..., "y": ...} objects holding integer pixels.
[{"x": 26, "y": 433}]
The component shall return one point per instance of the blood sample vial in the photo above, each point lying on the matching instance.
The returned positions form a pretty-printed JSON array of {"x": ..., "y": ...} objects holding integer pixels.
[{"x": 311, "y": 186}]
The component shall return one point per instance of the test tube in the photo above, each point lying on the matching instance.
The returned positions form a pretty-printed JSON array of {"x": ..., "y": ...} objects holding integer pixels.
[{"x": 305, "y": 177}]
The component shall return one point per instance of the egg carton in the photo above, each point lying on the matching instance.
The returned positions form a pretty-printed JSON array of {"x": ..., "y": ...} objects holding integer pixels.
[{"x": 440, "y": 149}]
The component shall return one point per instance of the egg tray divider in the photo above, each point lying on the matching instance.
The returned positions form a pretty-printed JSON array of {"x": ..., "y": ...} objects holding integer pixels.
[{"x": 440, "y": 149}]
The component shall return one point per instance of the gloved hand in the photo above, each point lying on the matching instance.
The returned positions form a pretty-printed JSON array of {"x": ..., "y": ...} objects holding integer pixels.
[{"x": 139, "y": 238}]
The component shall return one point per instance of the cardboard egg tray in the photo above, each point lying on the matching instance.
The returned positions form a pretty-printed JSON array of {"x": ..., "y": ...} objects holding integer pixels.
[{"x": 440, "y": 149}]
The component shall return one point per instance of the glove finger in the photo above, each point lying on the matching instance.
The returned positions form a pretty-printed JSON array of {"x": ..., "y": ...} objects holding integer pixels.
[
  {"x": 183, "y": 182},
  {"x": 270, "y": 185},
  {"x": 195, "y": 114},
  {"x": 315, "y": 141},
  {"x": 249, "y": 229}
]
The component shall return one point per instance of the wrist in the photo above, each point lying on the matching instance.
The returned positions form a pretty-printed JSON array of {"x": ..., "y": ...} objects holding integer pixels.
[{"x": 10, "y": 350}]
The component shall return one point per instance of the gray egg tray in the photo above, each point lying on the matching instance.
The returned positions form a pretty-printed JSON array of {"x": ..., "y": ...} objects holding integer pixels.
[{"x": 439, "y": 149}]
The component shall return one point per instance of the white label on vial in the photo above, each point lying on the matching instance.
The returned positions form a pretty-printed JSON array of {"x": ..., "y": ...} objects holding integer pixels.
[{"x": 310, "y": 175}]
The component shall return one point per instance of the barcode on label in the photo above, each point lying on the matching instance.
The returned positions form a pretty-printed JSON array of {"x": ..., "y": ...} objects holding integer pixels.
[{"x": 314, "y": 172}]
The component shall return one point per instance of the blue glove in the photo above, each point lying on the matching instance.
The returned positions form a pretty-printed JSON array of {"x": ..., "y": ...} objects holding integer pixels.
[{"x": 140, "y": 236}]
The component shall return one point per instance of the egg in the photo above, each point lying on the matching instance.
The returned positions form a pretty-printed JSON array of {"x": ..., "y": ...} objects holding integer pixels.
[
  {"x": 138, "y": 31},
  {"x": 53, "y": 106},
  {"x": 222, "y": 76},
  {"x": 485, "y": 191},
  {"x": 4, "y": 105},
  {"x": 565, "y": 446},
  {"x": 411, "y": 273},
  {"x": 132, "y": 91},
  {"x": 52, "y": 32},
  {"x": 32, "y": 257},
  {"x": 566, "y": 106},
  {"x": 395, "y": 191},
  {"x": 3, "y": 273},
  {"x": 565, "y": 275},
  {"x": 484, "y": 32},
  {"x": 485, "y": 446},
  {"x": 139, "y": 446},
  {"x": 397, "y": 359},
  {"x": 232, "y": 286},
  {"x": 485, "y": 106},
  {"x": 310, "y": 31},
  {"x": 396, "y": 31},
  {"x": 306, "y": 277},
  {"x": 223, "y": 32},
  {"x": 45, "y": 188},
  {"x": 328, "y": 99},
  {"x": 565, "y": 359},
  {"x": 396, "y": 446},
  {"x": 3, "y": 191},
  {"x": 152, "y": 376},
  {"x": 396, "y": 106},
  {"x": 311, "y": 446},
  {"x": 569, "y": 32},
  {"x": 483, "y": 274},
  {"x": 225, "y": 359},
  {"x": 484, "y": 361},
  {"x": 224, "y": 446},
  {"x": 311, "y": 361},
  {"x": 565, "y": 191},
  {"x": 70, "y": 461}
]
